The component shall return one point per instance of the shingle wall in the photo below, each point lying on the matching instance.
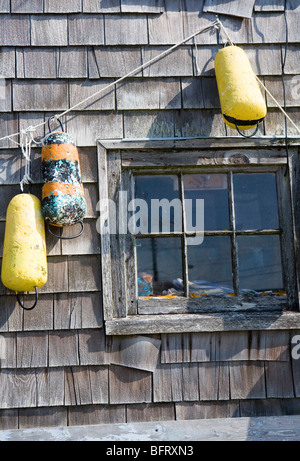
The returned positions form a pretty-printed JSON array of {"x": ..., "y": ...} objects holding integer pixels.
[{"x": 57, "y": 366}]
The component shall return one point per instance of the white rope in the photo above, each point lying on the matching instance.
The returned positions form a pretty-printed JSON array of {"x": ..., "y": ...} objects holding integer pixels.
[
  {"x": 26, "y": 139},
  {"x": 129, "y": 74},
  {"x": 215, "y": 24}
]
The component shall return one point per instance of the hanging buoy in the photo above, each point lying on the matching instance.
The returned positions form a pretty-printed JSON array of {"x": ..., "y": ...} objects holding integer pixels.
[
  {"x": 24, "y": 263},
  {"x": 63, "y": 202},
  {"x": 242, "y": 103}
]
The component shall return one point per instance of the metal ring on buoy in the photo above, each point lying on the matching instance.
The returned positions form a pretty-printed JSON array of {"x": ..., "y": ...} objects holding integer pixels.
[
  {"x": 244, "y": 135},
  {"x": 60, "y": 122},
  {"x": 60, "y": 236},
  {"x": 28, "y": 308}
]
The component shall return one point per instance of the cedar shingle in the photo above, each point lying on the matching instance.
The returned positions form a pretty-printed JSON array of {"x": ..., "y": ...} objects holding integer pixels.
[
  {"x": 30, "y": 6},
  {"x": 49, "y": 30},
  {"x": 129, "y": 386},
  {"x": 77, "y": 310},
  {"x": 16, "y": 30},
  {"x": 113, "y": 61},
  {"x": 148, "y": 6},
  {"x": 177, "y": 63},
  {"x": 7, "y": 63},
  {"x": 4, "y": 6},
  {"x": 53, "y": 6},
  {"x": 51, "y": 95},
  {"x": 101, "y": 6},
  {"x": 149, "y": 94},
  {"x": 80, "y": 90},
  {"x": 232, "y": 8},
  {"x": 86, "y": 29},
  {"x": 72, "y": 63},
  {"x": 36, "y": 63},
  {"x": 126, "y": 29},
  {"x": 269, "y": 5},
  {"x": 138, "y": 352}
]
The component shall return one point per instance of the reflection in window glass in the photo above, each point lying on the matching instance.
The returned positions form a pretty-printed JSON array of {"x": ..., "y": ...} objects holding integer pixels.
[
  {"x": 260, "y": 262},
  {"x": 209, "y": 266},
  {"x": 213, "y": 189},
  {"x": 159, "y": 264},
  {"x": 255, "y": 200},
  {"x": 160, "y": 188}
]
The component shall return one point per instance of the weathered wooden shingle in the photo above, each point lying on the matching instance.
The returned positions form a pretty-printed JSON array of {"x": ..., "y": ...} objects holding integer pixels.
[
  {"x": 113, "y": 61},
  {"x": 269, "y": 28},
  {"x": 32, "y": 350},
  {"x": 167, "y": 28},
  {"x": 86, "y": 29},
  {"x": 101, "y": 6},
  {"x": 31, "y": 388},
  {"x": 149, "y": 94},
  {"x": 292, "y": 59},
  {"x": 232, "y": 8},
  {"x": 71, "y": 6},
  {"x": 57, "y": 275},
  {"x": 138, "y": 352},
  {"x": 51, "y": 95},
  {"x": 154, "y": 124},
  {"x": 80, "y": 90},
  {"x": 49, "y": 30},
  {"x": 247, "y": 380},
  {"x": 4, "y": 6},
  {"x": 289, "y": 86},
  {"x": 36, "y": 63},
  {"x": 177, "y": 63},
  {"x": 84, "y": 273},
  {"x": 126, "y": 29},
  {"x": 87, "y": 128},
  {"x": 30, "y": 6},
  {"x": 92, "y": 347},
  {"x": 10, "y": 173},
  {"x": 148, "y": 6},
  {"x": 129, "y": 386},
  {"x": 63, "y": 348},
  {"x": 214, "y": 381},
  {"x": 16, "y": 30},
  {"x": 279, "y": 380},
  {"x": 77, "y": 310},
  {"x": 269, "y": 5},
  {"x": 150, "y": 412},
  {"x": 7, "y": 63},
  {"x": 86, "y": 385},
  {"x": 72, "y": 63}
]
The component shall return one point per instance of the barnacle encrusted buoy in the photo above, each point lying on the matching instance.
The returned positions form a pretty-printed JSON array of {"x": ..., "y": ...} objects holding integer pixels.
[{"x": 63, "y": 201}]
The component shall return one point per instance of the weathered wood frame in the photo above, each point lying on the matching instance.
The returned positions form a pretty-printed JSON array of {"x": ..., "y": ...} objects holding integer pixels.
[{"x": 124, "y": 313}]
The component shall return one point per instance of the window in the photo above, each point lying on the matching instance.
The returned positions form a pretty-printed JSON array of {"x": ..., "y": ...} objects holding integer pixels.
[{"x": 194, "y": 236}]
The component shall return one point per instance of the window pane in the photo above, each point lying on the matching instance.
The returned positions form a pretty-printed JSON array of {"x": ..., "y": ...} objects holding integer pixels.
[
  {"x": 255, "y": 200},
  {"x": 164, "y": 216},
  {"x": 260, "y": 262},
  {"x": 159, "y": 263},
  {"x": 210, "y": 269},
  {"x": 213, "y": 189}
]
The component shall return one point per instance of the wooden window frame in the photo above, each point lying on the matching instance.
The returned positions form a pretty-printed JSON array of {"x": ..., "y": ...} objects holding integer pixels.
[{"x": 124, "y": 312}]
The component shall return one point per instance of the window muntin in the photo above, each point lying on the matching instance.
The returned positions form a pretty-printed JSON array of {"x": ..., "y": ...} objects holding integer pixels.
[{"x": 241, "y": 250}]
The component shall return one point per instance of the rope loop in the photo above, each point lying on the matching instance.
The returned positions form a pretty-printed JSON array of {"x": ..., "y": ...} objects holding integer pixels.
[
  {"x": 55, "y": 117},
  {"x": 62, "y": 237},
  {"x": 244, "y": 135},
  {"x": 35, "y": 302}
]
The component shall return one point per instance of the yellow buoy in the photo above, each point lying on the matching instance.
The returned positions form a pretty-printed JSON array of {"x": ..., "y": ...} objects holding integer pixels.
[
  {"x": 242, "y": 103},
  {"x": 24, "y": 264}
]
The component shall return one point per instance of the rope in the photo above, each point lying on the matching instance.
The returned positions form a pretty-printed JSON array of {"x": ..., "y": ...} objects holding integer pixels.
[
  {"x": 215, "y": 24},
  {"x": 26, "y": 140}
]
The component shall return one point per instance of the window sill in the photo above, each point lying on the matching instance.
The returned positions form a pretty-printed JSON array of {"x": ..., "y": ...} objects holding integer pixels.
[{"x": 190, "y": 323}]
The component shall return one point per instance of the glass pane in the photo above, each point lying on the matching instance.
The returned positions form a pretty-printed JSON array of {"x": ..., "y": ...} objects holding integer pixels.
[
  {"x": 160, "y": 203},
  {"x": 159, "y": 264},
  {"x": 213, "y": 189},
  {"x": 255, "y": 200},
  {"x": 260, "y": 262},
  {"x": 210, "y": 269}
]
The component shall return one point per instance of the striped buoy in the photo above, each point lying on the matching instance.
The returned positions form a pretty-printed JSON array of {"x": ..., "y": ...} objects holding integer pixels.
[
  {"x": 242, "y": 103},
  {"x": 63, "y": 201}
]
